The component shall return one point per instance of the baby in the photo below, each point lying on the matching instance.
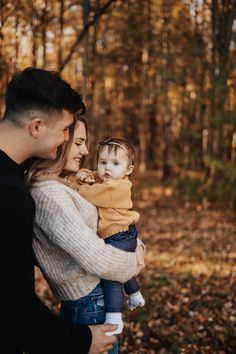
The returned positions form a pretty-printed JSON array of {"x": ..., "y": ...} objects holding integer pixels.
[{"x": 110, "y": 190}]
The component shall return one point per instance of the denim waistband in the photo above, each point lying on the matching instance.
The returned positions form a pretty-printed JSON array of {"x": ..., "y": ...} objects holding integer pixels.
[
  {"x": 97, "y": 291},
  {"x": 129, "y": 234}
]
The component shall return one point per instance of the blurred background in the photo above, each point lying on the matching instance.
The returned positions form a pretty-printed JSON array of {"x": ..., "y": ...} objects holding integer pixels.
[{"x": 161, "y": 73}]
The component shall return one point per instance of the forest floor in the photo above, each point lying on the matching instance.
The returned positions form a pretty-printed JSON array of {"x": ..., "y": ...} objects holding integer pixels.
[{"x": 189, "y": 282}]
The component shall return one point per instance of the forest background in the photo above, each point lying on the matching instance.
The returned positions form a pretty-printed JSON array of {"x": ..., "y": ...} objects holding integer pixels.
[{"x": 161, "y": 73}]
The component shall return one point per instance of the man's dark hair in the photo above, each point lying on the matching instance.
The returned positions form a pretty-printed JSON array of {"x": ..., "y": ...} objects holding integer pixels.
[{"x": 39, "y": 90}]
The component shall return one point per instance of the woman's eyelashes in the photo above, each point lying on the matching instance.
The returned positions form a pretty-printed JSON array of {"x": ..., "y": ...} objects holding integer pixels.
[{"x": 79, "y": 142}]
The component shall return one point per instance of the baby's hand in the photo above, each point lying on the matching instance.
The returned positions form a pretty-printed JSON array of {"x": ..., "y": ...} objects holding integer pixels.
[{"x": 85, "y": 176}]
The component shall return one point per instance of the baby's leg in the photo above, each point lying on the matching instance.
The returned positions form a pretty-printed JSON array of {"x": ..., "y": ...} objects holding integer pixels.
[
  {"x": 135, "y": 297},
  {"x": 114, "y": 300},
  {"x": 113, "y": 291},
  {"x": 127, "y": 241}
]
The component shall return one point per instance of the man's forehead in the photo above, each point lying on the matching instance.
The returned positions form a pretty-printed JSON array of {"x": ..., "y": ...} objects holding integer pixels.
[{"x": 66, "y": 119}]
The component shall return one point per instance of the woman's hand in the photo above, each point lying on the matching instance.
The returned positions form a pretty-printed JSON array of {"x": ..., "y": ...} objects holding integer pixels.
[
  {"x": 140, "y": 254},
  {"x": 101, "y": 343}
]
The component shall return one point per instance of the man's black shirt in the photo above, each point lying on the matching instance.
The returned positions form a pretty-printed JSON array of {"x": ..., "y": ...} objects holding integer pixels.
[{"x": 25, "y": 323}]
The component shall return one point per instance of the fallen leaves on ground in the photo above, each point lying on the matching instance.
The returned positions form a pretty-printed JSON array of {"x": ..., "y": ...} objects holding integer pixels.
[{"x": 189, "y": 282}]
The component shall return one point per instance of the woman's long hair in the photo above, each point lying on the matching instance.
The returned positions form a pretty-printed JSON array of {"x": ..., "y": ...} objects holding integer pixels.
[{"x": 42, "y": 170}]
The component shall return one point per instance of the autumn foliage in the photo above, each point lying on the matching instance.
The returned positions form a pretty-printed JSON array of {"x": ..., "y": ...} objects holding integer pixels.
[{"x": 189, "y": 282}]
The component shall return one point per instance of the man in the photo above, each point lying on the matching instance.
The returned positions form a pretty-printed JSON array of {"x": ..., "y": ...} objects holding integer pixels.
[{"x": 39, "y": 110}]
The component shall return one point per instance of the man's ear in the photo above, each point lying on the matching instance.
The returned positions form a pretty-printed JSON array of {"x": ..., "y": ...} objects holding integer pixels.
[
  {"x": 130, "y": 170},
  {"x": 35, "y": 127}
]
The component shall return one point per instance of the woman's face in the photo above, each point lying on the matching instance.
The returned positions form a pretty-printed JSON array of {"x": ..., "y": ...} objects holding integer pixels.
[{"x": 78, "y": 148}]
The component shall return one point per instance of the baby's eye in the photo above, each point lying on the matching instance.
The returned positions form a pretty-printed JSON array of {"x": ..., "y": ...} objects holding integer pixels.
[
  {"x": 116, "y": 163},
  {"x": 102, "y": 162}
]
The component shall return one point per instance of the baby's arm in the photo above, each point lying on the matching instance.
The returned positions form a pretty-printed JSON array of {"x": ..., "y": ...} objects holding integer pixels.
[{"x": 109, "y": 194}]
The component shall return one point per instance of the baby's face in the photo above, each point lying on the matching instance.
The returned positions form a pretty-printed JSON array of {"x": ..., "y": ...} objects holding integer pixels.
[{"x": 113, "y": 165}]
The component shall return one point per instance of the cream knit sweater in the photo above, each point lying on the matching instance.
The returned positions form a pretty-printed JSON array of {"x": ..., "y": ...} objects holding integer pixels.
[{"x": 66, "y": 247}]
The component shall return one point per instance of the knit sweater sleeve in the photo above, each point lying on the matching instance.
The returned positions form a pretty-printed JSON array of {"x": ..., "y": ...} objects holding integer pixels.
[{"x": 60, "y": 220}]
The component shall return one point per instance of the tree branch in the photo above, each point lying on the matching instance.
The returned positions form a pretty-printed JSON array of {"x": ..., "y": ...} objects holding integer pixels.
[{"x": 84, "y": 31}]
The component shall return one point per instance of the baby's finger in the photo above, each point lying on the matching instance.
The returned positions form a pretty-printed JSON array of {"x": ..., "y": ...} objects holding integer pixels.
[
  {"x": 89, "y": 180},
  {"x": 82, "y": 176}
]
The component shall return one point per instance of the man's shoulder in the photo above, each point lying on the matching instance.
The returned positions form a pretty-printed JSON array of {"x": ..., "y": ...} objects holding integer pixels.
[
  {"x": 13, "y": 186},
  {"x": 16, "y": 203},
  {"x": 14, "y": 192}
]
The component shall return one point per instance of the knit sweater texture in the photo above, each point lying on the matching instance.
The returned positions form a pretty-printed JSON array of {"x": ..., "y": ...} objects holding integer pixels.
[{"x": 66, "y": 247}]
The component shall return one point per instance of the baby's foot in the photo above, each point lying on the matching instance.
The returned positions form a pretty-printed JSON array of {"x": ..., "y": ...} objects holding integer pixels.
[
  {"x": 114, "y": 318},
  {"x": 135, "y": 300}
]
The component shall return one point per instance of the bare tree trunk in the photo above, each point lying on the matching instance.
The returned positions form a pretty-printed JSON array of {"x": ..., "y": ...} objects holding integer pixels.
[
  {"x": 165, "y": 110},
  {"x": 34, "y": 30},
  {"x": 16, "y": 36},
  {"x": 223, "y": 14},
  {"x": 44, "y": 21},
  {"x": 4, "y": 68},
  {"x": 86, "y": 10},
  {"x": 142, "y": 120},
  {"x": 60, "y": 34},
  {"x": 90, "y": 94}
]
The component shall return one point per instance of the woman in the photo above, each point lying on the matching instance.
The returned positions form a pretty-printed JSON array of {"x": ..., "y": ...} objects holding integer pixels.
[{"x": 67, "y": 249}]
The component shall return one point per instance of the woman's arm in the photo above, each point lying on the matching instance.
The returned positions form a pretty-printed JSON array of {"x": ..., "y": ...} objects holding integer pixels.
[{"x": 60, "y": 219}]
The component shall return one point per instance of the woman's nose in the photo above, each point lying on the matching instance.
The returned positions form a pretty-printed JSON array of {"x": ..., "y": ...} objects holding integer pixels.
[{"x": 85, "y": 150}]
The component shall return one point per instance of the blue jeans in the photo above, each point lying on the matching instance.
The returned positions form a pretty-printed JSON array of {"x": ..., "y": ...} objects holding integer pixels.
[
  {"x": 113, "y": 290},
  {"x": 88, "y": 310}
]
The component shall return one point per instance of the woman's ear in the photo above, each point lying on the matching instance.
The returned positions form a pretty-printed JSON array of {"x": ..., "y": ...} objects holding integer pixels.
[
  {"x": 35, "y": 127},
  {"x": 130, "y": 170}
]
